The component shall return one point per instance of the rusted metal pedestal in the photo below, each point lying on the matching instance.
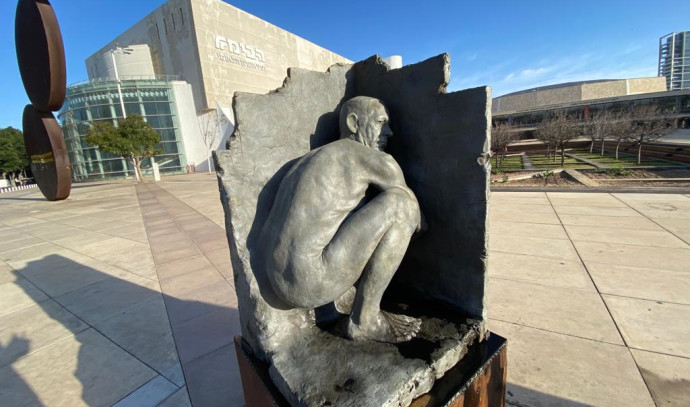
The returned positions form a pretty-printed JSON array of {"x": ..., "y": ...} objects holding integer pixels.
[{"x": 479, "y": 379}]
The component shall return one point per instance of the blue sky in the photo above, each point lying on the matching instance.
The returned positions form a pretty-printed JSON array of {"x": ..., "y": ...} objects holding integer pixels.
[{"x": 508, "y": 45}]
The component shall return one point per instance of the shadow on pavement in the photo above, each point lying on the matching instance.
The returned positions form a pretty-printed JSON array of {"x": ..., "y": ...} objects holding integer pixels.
[
  {"x": 110, "y": 369},
  {"x": 519, "y": 396},
  {"x": 120, "y": 347},
  {"x": 11, "y": 381}
]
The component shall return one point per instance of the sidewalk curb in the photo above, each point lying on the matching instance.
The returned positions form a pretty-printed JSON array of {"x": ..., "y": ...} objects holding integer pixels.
[{"x": 19, "y": 188}]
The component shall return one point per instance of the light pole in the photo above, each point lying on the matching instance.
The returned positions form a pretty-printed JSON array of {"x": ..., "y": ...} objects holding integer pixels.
[{"x": 124, "y": 51}]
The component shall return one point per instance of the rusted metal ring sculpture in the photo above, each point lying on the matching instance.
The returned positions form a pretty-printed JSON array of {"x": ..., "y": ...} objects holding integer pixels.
[{"x": 41, "y": 57}]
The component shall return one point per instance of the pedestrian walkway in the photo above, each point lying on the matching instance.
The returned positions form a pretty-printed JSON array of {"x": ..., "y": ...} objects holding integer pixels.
[
  {"x": 591, "y": 290},
  {"x": 123, "y": 295}
]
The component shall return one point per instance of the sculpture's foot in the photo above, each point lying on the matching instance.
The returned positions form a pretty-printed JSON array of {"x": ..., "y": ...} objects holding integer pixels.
[{"x": 388, "y": 327}]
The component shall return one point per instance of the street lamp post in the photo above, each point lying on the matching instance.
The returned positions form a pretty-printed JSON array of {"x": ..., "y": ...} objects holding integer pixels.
[
  {"x": 124, "y": 51},
  {"x": 119, "y": 87}
]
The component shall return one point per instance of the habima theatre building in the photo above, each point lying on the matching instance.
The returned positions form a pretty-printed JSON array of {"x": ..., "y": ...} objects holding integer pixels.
[{"x": 178, "y": 68}]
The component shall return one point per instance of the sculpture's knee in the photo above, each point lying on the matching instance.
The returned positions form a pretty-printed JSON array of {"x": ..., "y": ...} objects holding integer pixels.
[{"x": 403, "y": 206}]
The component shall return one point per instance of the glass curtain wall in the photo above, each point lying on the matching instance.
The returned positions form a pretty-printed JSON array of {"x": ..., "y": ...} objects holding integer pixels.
[{"x": 99, "y": 101}]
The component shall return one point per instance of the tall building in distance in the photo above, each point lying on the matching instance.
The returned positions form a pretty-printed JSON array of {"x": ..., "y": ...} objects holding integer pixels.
[{"x": 674, "y": 60}]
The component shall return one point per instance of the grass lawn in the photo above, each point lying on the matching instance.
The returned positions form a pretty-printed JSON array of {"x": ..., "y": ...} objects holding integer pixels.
[
  {"x": 542, "y": 162},
  {"x": 624, "y": 159},
  {"x": 511, "y": 163}
]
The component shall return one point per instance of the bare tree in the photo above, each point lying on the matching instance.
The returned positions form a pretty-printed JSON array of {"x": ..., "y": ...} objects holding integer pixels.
[
  {"x": 648, "y": 123},
  {"x": 619, "y": 129},
  {"x": 209, "y": 125},
  {"x": 502, "y": 134},
  {"x": 598, "y": 128},
  {"x": 558, "y": 130}
]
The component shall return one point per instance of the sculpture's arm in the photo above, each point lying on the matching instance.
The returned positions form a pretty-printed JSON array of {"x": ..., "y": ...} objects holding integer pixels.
[{"x": 386, "y": 174}]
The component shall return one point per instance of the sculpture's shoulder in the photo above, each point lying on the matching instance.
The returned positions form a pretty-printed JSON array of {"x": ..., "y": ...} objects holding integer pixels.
[{"x": 355, "y": 150}]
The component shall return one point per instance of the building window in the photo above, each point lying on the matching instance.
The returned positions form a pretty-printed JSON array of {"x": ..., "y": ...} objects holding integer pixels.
[
  {"x": 86, "y": 104},
  {"x": 181, "y": 17},
  {"x": 165, "y": 26},
  {"x": 172, "y": 15},
  {"x": 158, "y": 32}
]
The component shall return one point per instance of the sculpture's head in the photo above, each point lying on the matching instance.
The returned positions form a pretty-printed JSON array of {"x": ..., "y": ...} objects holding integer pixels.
[{"x": 365, "y": 119}]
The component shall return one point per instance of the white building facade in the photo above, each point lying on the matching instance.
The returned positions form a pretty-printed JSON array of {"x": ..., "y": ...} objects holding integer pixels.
[{"x": 215, "y": 48}]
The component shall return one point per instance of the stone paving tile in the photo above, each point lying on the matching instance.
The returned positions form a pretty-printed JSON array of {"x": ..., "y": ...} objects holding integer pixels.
[
  {"x": 632, "y": 197},
  {"x": 521, "y": 194},
  {"x": 11, "y": 234},
  {"x": 215, "y": 379},
  {"x": 498, "y": 198},
  {"x": 150, "y": 394},
  {"x": 550, "y": 369},
  {"x": 7, "y": 273},
  {"x": 500, "y": 228},
  {"x": 111, "y": 296},
  {"x": 642, "y": 283},
  {"x": 657, "y": 238},
  {"x": 137, "y": 261},
  {"x": 535, "y": 246},
  {"x": 652, "y": 325},
  {"x": 212, "y": 241},
  {"x": 497, "y": 213},
  {"x": 596, "y": 211},
  {"x": 144, "y": 332},
  {"x": 57, "y": 275},
  {"x": 665, "y": 258},
  {"x": 191, "y": 281},
  {"x": 620, "y": 222},
  {"x": 19, "y": 294},
  {"x": 174, "y": 374},
  {"x": 179, "y": 399},
  {"x": 86, "y": 369},
  {"x": 605, "y": 201},
  {"x": 225, "y": 269},
  {"x": 539, "y": 270},
  {"x": 218, "y": 327},
  {"x": 219, "y": 257},
  {"x": 106, "y": 247},
  {"x": 668, "y": 377},
  {"x": 552, "y": 309},
  {"x": 662, "y": 210},
  {"x": 524, "y": 208},
  {"x": 184, "y": 266},
  {"x": 679, "y": 227},
  {"x": 30, "y": 253},
  {"x": 79, "y": 240},
  {"x": 23, "y": 243},
  {"x": 38, "y": 326},
  {"x": 170, "y": 241},
  {"x": 174, "y": 255},
  {"x": 186, "y": 306}
]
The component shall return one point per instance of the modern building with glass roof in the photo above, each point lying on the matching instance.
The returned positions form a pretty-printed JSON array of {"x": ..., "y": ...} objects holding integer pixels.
[{"x": 179, "y": 68}]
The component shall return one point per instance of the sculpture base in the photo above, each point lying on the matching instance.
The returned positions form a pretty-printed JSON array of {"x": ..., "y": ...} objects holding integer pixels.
[{"x": 479, "y": 379}]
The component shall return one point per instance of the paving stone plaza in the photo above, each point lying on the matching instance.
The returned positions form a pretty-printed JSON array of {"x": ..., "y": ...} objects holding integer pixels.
[{"x": 123, "y": 295}]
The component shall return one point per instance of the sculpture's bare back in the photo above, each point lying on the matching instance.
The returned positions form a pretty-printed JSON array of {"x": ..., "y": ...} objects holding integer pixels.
[{"x": 323, "y": 236}]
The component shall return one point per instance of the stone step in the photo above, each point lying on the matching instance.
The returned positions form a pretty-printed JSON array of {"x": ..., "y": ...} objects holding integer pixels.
[{"x": 582, "y": 178}]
